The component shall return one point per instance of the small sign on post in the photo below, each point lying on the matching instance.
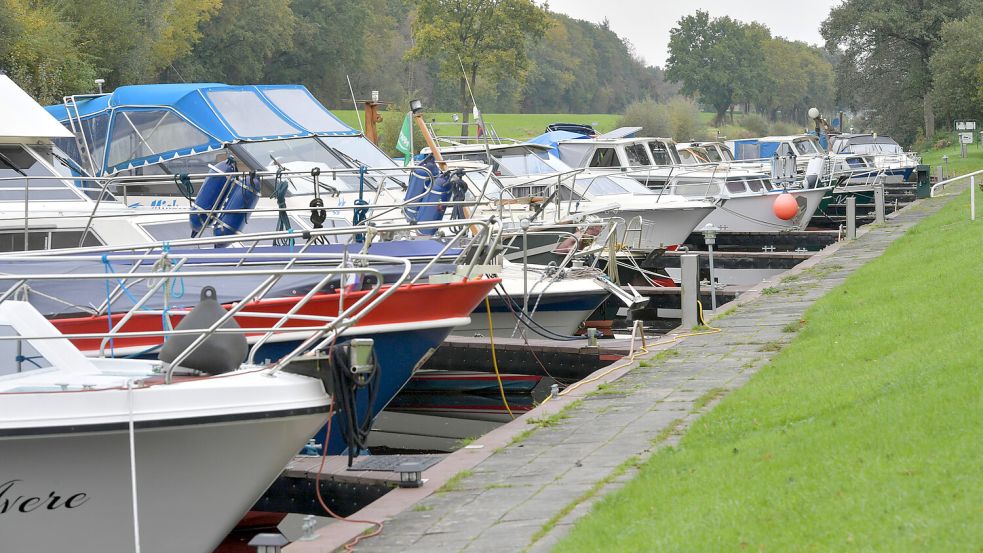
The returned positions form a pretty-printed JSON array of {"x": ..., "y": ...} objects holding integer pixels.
[{"x": 967, "y": 131}]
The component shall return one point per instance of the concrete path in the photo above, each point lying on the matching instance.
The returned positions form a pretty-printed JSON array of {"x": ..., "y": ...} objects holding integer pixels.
[{"x": 526, "y": 496}]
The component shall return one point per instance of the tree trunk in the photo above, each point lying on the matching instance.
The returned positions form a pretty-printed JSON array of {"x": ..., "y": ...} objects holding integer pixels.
[
  {"x": 929, "y": 117},
  {"x": 721, "y": 115},
  {"x": 466, "y": 111}
]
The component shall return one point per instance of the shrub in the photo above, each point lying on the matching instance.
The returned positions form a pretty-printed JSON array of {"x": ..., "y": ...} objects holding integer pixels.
[
  {"x": 678, "y": 118},
  {"x": 784, "y": 128},
  {"x": 684, "y": 118},
  {"x": 735, "y": 132},
  {"x": 648, "y": 114},
  {"x": 756, "y": 124}
]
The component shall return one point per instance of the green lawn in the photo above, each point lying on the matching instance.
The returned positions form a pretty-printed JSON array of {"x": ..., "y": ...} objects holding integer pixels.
[
  {"x": 957, "y": 165},
  {"x": 513, "y": 125},
  {"x": 865, "y": 433}
]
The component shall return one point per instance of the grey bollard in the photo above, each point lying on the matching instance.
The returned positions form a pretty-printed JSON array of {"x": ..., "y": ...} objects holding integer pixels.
[
  {"x": 851, "y": 217},
  {"x": 879, "y": 202},
  {"x": 689, "y": 284}
]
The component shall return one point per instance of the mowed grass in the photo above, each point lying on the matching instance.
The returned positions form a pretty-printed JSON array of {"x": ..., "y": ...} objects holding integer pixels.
[
  {"x": 520, "y": 126},
  {"x": 957, "y": 165},
  {"x": 865, "y": 433}
]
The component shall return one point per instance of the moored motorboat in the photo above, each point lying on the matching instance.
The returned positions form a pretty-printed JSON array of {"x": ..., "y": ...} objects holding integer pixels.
[{"x": 104, "y": 456}]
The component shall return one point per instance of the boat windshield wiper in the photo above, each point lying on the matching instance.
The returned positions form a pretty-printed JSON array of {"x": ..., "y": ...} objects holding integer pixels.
[{"x": 6, "y": 161}]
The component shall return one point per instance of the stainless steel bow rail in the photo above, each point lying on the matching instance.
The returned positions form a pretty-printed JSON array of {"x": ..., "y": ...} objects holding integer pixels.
[{"x": 322, "y": 329}]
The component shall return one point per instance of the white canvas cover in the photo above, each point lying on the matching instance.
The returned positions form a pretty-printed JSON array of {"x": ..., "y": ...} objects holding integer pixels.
[{"x": 22, "y": 117}]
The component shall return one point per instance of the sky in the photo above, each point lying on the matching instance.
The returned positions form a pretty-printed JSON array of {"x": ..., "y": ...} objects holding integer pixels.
[{"x": 646, "y": 23}]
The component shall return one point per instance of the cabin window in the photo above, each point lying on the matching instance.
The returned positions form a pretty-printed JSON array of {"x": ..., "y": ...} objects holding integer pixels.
[
  {"x": 712, "y": 154},
  {"x": 637, "y": 155},
  {"x": 697, "y": 188},
  {"x": 18, "y": 356},
  {"x": 17, "y": 166},
  {"x": 661, "y": 154},
  {"x": 755, "y": 185},
  {"x": 604, "y": 157},
  {"x": 13, "y": 241},
  {"x": 736, "y": 186},
  {"x": 141, "y": 134}
]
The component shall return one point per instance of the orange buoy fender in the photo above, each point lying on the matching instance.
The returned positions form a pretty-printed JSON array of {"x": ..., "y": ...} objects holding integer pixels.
[{"x": 785, "y": 206}]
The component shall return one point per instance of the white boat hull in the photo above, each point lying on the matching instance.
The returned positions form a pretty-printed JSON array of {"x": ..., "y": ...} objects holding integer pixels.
[
  {"x": 756, "y": 213},
  {"x": 194, "y": 482},
  {"x": 664, "y": 227}
]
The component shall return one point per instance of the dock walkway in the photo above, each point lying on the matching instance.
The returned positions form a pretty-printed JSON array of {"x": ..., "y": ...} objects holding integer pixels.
[{"x": 523, "y": 491}]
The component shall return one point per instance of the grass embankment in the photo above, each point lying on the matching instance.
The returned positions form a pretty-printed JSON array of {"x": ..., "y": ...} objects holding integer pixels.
[
  {"x": 511, "y": 125},
  {"x": 957, "y": 165},
  {"x": 863, "y": 434}
]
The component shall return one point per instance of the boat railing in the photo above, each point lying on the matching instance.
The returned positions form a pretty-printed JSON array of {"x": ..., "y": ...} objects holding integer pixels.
[
  {"x": 488, "y": 133},
  {"x": 37, "y": 189},
  {"x": 168, "y": 267}
]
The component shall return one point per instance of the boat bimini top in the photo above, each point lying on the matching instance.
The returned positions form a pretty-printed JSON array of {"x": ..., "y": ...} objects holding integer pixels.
[{"x": 140, "y": 125}]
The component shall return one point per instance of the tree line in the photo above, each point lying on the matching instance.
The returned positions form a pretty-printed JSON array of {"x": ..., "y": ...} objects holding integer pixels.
[
  {"x": 901, "y": 67},
  {"x": 524, "y": 58}
]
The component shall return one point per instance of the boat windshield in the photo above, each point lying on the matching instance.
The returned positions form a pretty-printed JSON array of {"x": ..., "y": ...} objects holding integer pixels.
[
  {"x": 608, "y": 186},
  {"x": 712, "y": 154},
  {"x": 19, "y": 355},
  {"x": 637, "y": 155},
  {"x": 17, "y": 167},
  {"x": 663, "y": 154},
  {"x": 725, "y": 152},
  {"x": 806, "y": 146},
  {"x": 302, "y": 154},
  {"x": 518, "y": 163},
  {"x": 873, "y": 149},
  {"x": 493, "y": 191}
]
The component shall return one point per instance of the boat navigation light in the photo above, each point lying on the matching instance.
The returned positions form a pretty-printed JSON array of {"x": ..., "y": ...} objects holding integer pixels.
[{"x": 416, "y": 106}]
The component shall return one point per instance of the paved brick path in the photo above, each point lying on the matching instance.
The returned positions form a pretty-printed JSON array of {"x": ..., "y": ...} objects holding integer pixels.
[{"x": 550, "y": 479}]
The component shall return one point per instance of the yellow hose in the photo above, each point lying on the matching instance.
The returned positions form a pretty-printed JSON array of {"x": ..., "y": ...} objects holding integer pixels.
[{"x": 498, "y": 376}]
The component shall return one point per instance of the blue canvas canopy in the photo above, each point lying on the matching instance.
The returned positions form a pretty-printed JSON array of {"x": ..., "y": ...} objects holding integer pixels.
[
  {"x": 142, "y": 125},
  {"x": 552, "y": 138}
]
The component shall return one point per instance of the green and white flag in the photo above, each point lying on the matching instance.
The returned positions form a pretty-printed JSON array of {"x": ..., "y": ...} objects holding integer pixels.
[{"x": 405, "y": 141}]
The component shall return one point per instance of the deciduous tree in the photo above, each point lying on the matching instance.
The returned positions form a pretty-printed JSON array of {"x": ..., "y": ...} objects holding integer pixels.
[
  {"x": 719, "y": 60},
  {"x": 489, "y": 37},
  {"x": 887, "y": 48}
]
